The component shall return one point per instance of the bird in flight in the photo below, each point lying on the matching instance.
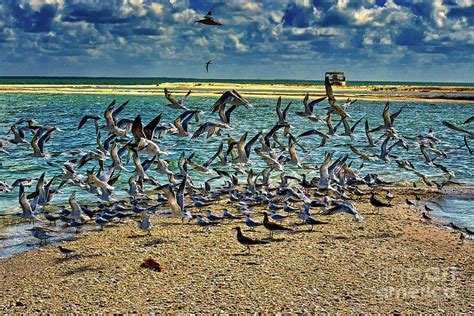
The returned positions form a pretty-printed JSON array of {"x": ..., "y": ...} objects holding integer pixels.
[
  {"x": 208, "y": 20},
  {"x": 207, "y": 65}
]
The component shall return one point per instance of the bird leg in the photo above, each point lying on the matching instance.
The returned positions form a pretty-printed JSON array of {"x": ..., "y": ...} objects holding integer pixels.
[{"x": 376, "y": 211}]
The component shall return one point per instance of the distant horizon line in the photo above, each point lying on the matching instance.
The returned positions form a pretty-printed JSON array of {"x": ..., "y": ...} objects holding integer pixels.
[{"x": 234, "y": 79}]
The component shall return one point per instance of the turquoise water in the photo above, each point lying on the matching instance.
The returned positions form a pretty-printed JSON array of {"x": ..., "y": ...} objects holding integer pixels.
[
  {"x": 455, "y": 208},
  {"x": 65, "y": 111}
]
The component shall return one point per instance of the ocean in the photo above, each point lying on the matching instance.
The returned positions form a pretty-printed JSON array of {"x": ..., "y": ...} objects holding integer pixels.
[{"x": 66, "y": 110}]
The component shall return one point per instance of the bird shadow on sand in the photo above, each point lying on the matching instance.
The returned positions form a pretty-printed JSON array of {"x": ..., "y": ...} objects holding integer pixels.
[
  {"x": 82, "y": 269},
  {"x": 74, "y": 256},
  {"x": 274, "y": 239},
  {"x": 251, "y": 263},
  {"x": 154, "y": 242},
  {"x": 298, "y": 224},
  {"x": 249, "y": 256},
  {"x": 250, "y": 230},
  {"x": 338, "y": 237},
  {"x": 206, "y": 231},
  {"x": 299, "y": 231},
  {"x": 243, "y": 254},
  {"x": 246, "y": 254},
  {"x": 176, "y": 223},
  {"x": 384, "y": 235},
  {"x": 133, "y": 236}
]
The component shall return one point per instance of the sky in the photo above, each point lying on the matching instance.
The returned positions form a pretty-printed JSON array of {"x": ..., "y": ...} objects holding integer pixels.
[{"x": 388, "y": 40}]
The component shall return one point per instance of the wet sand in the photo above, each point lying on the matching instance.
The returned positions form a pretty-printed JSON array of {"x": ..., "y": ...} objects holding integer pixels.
[
  {"x": 394, "y": 261},
  {"x": 369, "y": 92}
]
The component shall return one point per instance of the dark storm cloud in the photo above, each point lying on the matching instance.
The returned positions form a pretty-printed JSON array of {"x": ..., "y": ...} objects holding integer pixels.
[
  {"x": 417, "y": 7},
  {"x": 408, "y": 36},
  {"x": 30, "y": 20},
  {"x": 334, "y": 17},
  {"x": 145, "y": 31},
  {"x": 89, "y": 14},
  {"x": 298, "y": 16},
  {"x": 466, "y": 12}
]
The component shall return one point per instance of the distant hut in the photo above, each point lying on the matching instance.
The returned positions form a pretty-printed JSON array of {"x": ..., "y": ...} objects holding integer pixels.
[{"x": 336, "y": 77}]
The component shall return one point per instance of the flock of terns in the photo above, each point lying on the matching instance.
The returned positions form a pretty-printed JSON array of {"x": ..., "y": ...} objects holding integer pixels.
[{"x": 275, "y": 190}]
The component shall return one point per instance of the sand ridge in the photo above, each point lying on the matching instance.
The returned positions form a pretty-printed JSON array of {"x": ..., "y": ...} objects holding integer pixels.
[{"x": 213, "y": 89}]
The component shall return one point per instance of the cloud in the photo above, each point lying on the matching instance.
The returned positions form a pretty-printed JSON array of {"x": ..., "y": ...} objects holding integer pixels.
[
  {"x": 298, "y": 15},
  {"x": 105, "y": 15},
  {"x": 156, "y": 8},
  {"x": 35, "y": 19},
  {"x": 265, "y": 38},
  {"x": 238, "y": 45},
  {"x": 409, "y": 36},
  {"x": 465, "y": 14}
]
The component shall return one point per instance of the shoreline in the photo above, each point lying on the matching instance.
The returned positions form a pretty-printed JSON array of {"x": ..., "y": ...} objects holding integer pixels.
[
  {"x": 293, "y": 91},
  {"x": 9, "y": 224},
  {"x": 394, "y": 261}
]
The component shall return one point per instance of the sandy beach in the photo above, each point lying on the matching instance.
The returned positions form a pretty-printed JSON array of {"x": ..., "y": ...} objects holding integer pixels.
[
  {"x": 291, "y": 91},
  {"x": 393, "y": 262}
]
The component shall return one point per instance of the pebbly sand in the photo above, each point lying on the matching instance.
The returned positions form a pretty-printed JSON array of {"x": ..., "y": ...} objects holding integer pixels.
[
  {"x": 393, "y": 262},
  {"x": 215, "y": 89}
]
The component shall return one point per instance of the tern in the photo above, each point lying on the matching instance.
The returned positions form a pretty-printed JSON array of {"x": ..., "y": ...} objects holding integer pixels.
[
  {"x": 458, "y": 129},
  {"x": 204, "y": 222},
  {"x": 228, "y": 215},
  {"x": 212, "y": 216},
  {"x": 308, "y": 219},
  {"x": 110, "y": 116},
  {"x": 277, "y": 217},
  {"x": 251, "y": 222},
  {"x": 28, "y": 209},
  {"x": 86, "y": 118},
  {"x": 175, "y": 199},
  {"x": 145, "y": 223},
  {"x": 344, "y": 207},
  {"x": 207, "y": 65},
  {"x": 18, "y": 135},
  {"x": 282, "y": 114},
  {"x": 39, "y": 140},
  {"x": 247, "y": 241},
  {"x": 378, "y": 203},
  {"x": 244, "y": 148},
  {"x": 177, "y": 104},
  {"x": 208, "y": 20},
  {"x": 65, "y": 251},
  {"x": 273, "y": 226},
  {"x": 309, "y": 107},
  {"x": 232, "y": 97},
  {"x": 211, "y": 128},
  {"x": 42, "y": 234}
]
